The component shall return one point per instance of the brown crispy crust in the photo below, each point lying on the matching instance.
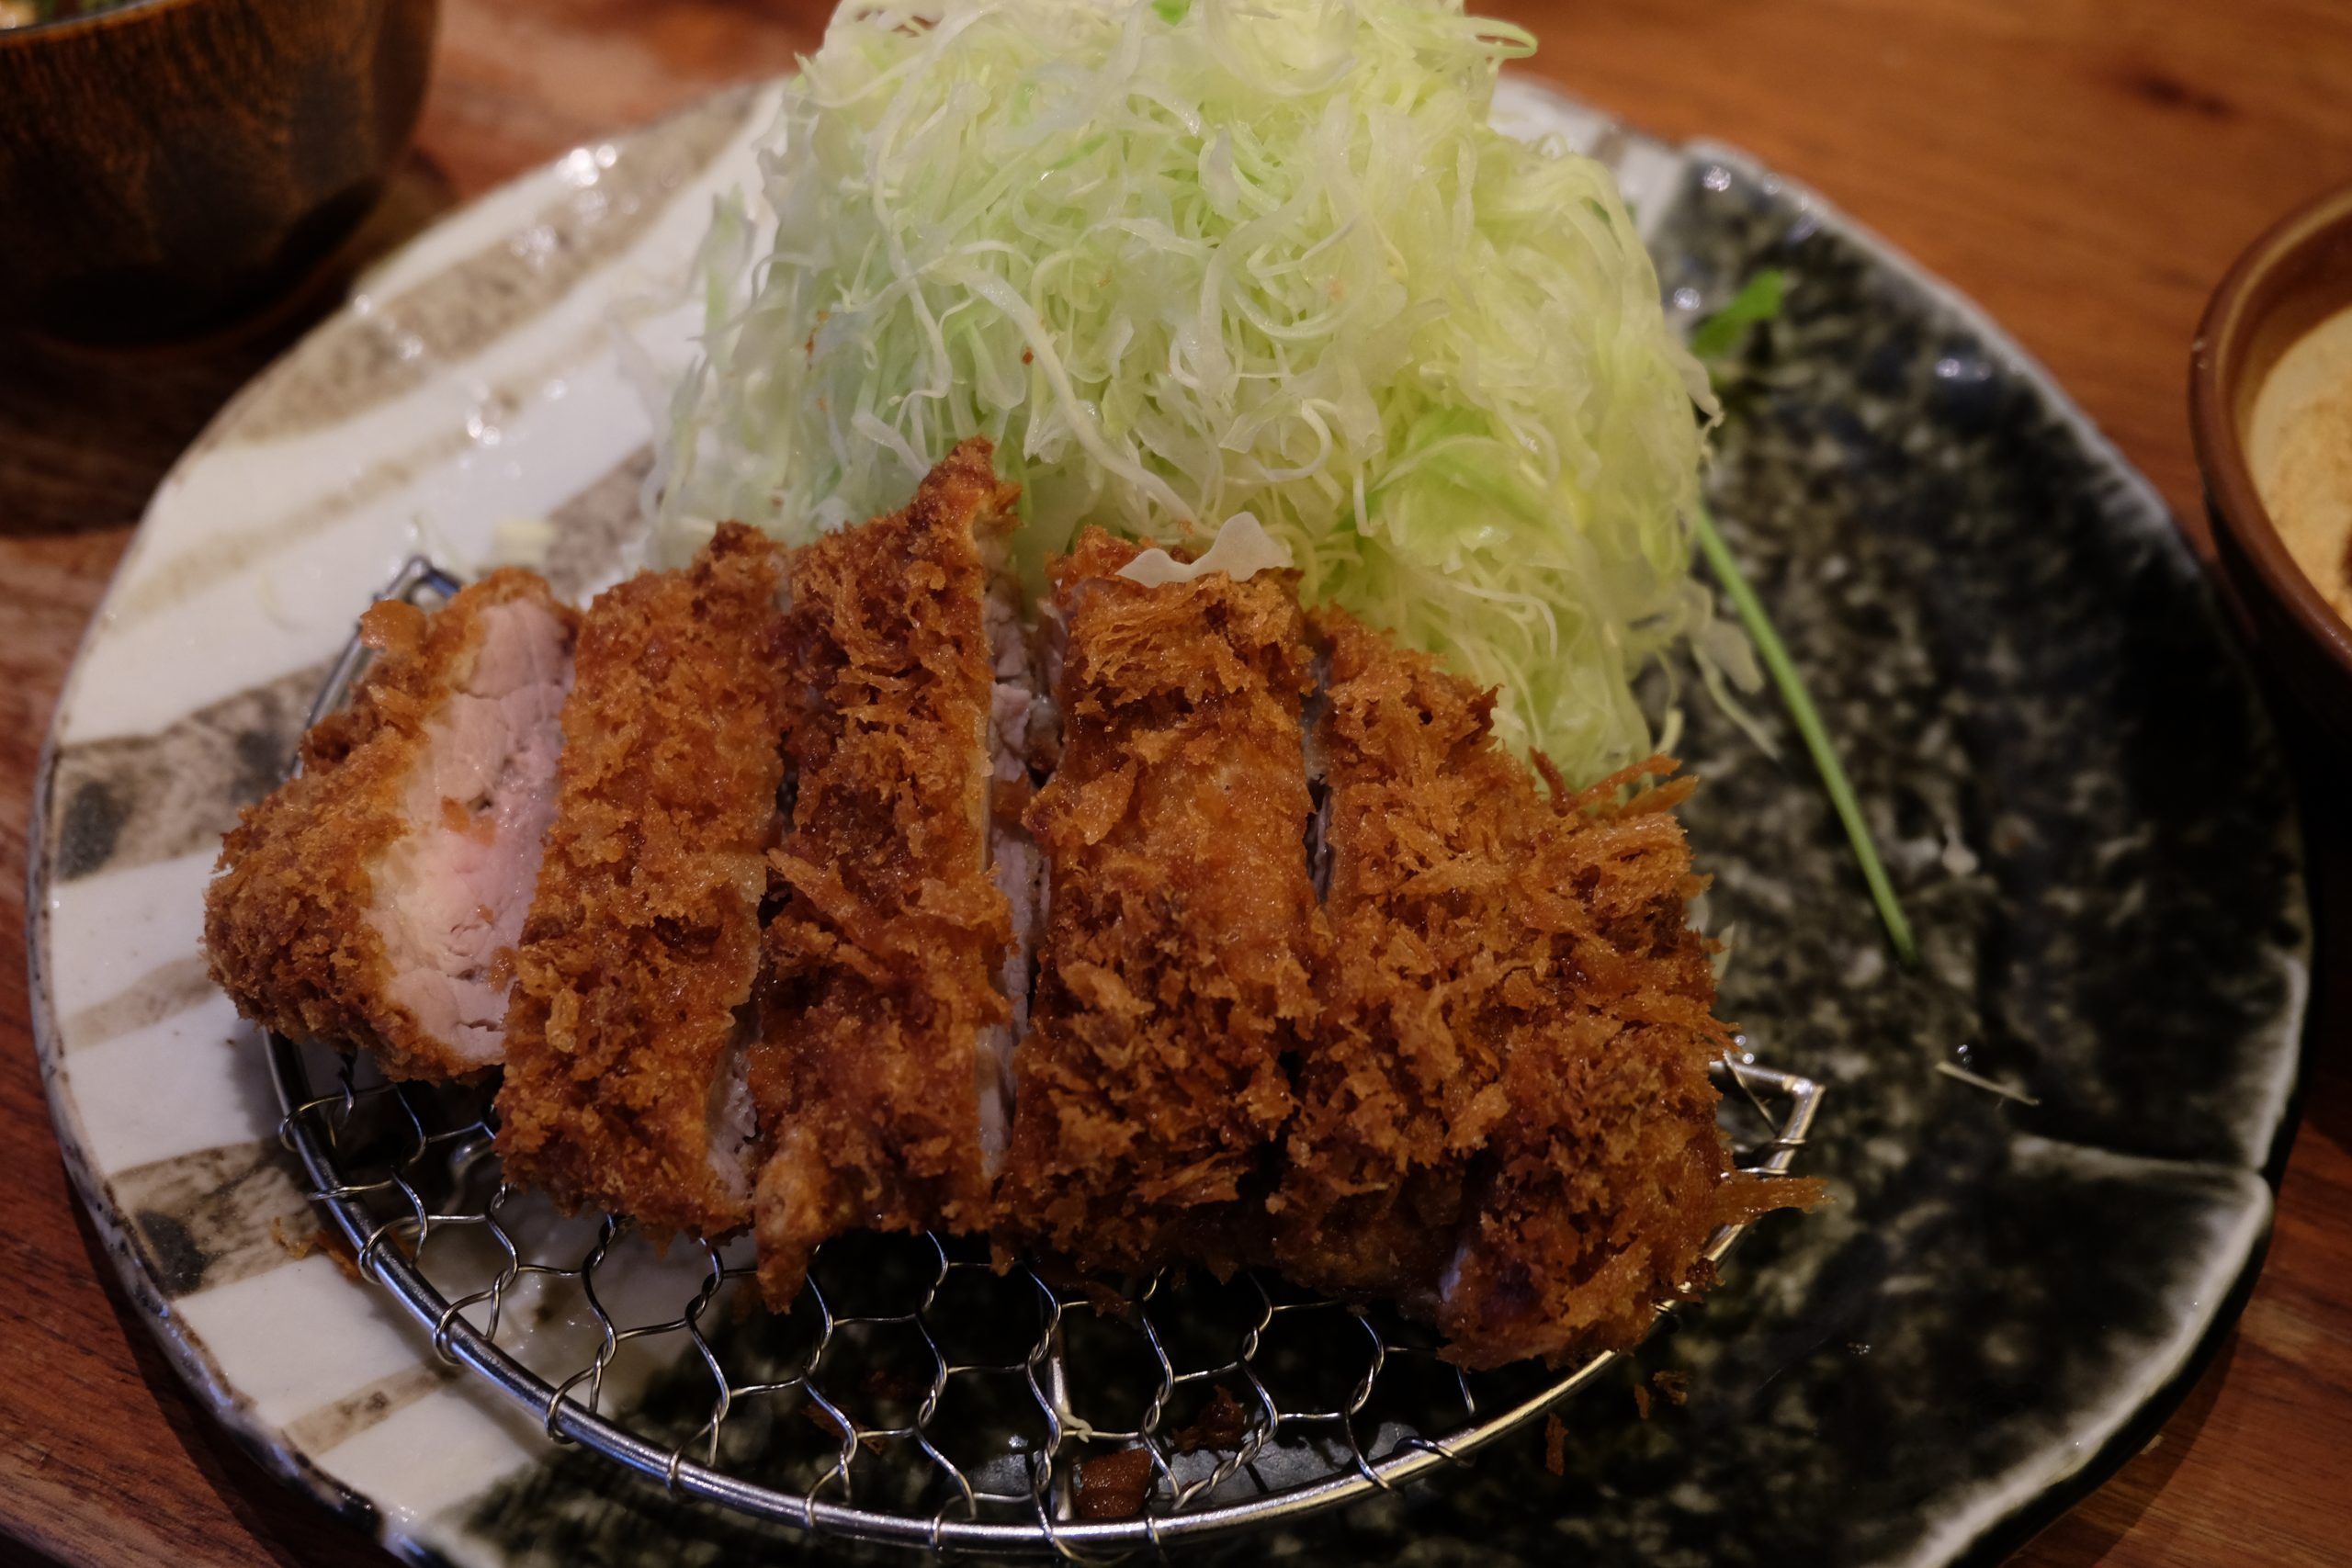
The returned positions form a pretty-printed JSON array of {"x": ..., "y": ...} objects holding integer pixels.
[
  {"x": 882, "y": 958},
  {"x": 643, "y": 939},
  {"x": 1517, "y": 1030},
  {"x": 1401, "y": 1086},
  {"x": 1596, "y": 1194},
  {"x": 1174, "y": 972},
  {"x": 285, "y": 928}
]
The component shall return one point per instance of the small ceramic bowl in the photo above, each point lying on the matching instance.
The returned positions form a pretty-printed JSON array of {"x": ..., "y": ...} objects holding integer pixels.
[
  {"x": 2287, "y": 282},
  {"x": 166, "y": 164}
]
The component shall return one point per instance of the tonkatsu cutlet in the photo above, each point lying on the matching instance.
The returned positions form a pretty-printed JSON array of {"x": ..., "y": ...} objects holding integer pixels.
[
  {"x": 1596, "y": 1193},
  {"x": 376, "y": 900},
  {"x": 1420, "y": 813},
  {"x": 624, "y": 1087},
  {"x": 1097, "y": 971},
  {"x": 877, "y": 1069},
  {"x": 1172, "y": 976}
]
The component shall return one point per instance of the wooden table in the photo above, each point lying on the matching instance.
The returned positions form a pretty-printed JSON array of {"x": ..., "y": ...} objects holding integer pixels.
[{"x": 2083, "y": 168}]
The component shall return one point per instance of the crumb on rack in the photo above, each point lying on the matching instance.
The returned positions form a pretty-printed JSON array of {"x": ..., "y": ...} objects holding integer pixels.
[
  {"x": 299, "y": 1246},
  {"x": 1112, "y": 1485},
  {"x": 1222, "y": 1424},
  {"x": 296, "y": 1246}
]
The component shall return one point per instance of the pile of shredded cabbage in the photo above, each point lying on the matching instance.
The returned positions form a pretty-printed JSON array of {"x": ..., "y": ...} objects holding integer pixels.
[{"x": 1181, "y": 259}]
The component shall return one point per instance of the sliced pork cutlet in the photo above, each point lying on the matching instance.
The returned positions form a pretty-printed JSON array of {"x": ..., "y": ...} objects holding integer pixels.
[
  {"x": 1418, "y": 815},
  {"x": 377, "y": 899},
  {"x": 883, "y": 1023},
  {"x": 624, "y": 1083},
  {"x": 1597, "y": 1188},
  {"x": 1173, "y": 973}
]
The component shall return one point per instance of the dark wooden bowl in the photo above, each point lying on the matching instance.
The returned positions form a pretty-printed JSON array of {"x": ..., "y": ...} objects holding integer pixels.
[
  {"x": 2287, "y": 282},
  {"x": 172, "y": 163}
]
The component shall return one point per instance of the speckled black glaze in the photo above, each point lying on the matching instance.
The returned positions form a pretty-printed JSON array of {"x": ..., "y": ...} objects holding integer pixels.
[
  {"x": 2084, "y": 809},
  {"x": 2074, "y": 784}
]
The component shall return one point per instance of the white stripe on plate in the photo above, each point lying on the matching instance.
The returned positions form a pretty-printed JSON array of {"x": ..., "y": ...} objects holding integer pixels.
[
  {"x": 108, "y": 930},
  {"x": 302, "y": 1336},
  {"x": 426, "y": 1462},
  {"x": 196, "y": 1080}
]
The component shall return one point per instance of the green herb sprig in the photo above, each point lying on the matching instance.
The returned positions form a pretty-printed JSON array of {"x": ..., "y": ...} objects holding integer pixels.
[
  {"x": 1714, "y": 339},
  {"x": 1818, "y": 744}
]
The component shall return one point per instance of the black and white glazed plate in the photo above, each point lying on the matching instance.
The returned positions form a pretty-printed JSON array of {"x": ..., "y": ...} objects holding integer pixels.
[{"x": 2078, "y": 790}]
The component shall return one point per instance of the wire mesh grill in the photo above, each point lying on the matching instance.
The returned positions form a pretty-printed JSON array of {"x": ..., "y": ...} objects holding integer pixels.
[{"x": 913, "y": 1395}]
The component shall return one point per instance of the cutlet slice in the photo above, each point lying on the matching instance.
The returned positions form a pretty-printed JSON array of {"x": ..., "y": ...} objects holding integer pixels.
[
  {"x": 1418, "y": 814},
  {"x": 1596, "y": 1194},
  {"x": 883, "y": 1024},
  {"x": 1506, "y": 1122},
  {"x": 1173, "y": 973},
  {"x": 624, "y": 1086},
  {"x": 377, "y": 899}
]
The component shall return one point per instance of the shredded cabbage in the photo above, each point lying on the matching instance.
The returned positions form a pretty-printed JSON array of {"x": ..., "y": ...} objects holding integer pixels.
[{"x": 1181, "y": 259}]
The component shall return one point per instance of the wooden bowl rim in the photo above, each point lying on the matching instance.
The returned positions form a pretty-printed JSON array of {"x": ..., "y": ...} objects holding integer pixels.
[
  {"x": 2273, "y": 275},
  {"x": 120, "y": 14}
]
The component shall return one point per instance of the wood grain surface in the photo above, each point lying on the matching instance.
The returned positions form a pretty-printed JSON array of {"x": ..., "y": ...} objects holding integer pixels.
[{"x": 2086, "y": 169}]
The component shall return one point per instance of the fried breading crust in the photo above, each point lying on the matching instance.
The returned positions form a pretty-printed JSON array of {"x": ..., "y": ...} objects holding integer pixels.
[
  {"x": 882, "y": 959},
  {"x": 1401, "y": 1086},
  {"x": 1509, "y": 1100},
  {"x": 1174, "y": 975},
  {"x": 643, "y": 940},
  {"x": 285, "y": 928},
  {"x": 1598, "y": 1190}
]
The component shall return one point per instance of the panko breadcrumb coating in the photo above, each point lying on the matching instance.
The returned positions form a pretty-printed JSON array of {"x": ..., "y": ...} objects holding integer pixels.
[
  {"x": 1598, "y": 1190},
  {"x": 375, "y": 899},
  {"x": 1181, "y": 926},
  {"x": 622, "y": 1085},
  {"x": 883, "y": 959},
  {"x": 1420, "y": 811},
  {"x": 1508, "y": 1123}
]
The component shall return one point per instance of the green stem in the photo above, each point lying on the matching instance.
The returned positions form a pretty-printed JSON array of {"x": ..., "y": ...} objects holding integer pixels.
[{"x": 1783, "y": 671}]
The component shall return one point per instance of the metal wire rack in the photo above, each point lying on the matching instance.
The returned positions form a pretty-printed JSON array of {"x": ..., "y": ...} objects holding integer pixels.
[{"x": 913, "y": 1395}]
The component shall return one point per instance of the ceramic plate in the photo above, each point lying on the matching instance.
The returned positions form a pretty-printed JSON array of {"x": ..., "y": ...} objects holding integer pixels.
[{"x": 2078, "y": 793}]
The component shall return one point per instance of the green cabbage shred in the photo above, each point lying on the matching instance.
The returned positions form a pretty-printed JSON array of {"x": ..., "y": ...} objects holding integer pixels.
[{"x": 1185, "y": 258}]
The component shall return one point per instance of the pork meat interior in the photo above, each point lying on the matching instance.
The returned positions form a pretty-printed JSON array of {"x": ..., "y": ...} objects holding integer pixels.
[{"x": 378, "y": 897}]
